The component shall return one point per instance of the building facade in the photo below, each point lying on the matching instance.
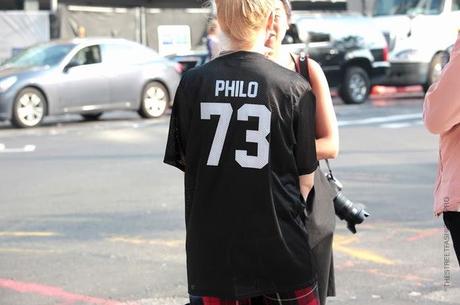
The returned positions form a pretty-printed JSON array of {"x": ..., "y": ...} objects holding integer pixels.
[
  {"x": 355, "y": 5},
  {"x": 155, "y": 23}
]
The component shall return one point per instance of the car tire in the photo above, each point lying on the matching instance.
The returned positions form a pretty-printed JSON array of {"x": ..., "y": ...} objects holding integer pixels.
[
  {"x": 434, "y": 73},
  {"x": 29, "y": 108},
  {"x": 356, "y": 86},
  {"x": 155, "y": 100},
  {"x": 92, "y": 116}
]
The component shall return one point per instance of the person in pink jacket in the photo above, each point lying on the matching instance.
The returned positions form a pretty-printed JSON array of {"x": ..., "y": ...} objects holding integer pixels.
[{"x": 441, "y": 115}]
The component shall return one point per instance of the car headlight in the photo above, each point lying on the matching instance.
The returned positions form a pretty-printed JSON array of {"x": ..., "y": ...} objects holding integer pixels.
[{"x": 7, "y": 83}]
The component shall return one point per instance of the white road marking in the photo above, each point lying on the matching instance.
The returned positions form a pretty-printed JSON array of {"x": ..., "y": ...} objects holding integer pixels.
[
  {"x": 25, "y": 149},
  {"x": 402, "y": 125},
  {"x": 396, "y": 125},
  {"x": 382, "y": 120},
  {"x": 160, "y": 301}
]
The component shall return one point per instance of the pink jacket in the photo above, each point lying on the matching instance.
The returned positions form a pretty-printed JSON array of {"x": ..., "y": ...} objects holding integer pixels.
[{"x": 441, "y": 113}]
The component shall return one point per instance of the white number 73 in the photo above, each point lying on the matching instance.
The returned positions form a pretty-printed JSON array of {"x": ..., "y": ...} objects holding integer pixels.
[{"x": 224, "y": 110}]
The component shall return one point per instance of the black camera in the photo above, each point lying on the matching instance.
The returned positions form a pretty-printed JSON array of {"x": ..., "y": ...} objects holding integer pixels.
[{"x": 345, "y": 209}]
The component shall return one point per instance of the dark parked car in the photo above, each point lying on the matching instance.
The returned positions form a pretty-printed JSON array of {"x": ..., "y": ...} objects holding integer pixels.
[{"x": 351, "y": 50}]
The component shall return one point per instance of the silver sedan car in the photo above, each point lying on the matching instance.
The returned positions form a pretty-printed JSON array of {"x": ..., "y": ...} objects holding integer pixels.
[{"x": 87, "y": 77}]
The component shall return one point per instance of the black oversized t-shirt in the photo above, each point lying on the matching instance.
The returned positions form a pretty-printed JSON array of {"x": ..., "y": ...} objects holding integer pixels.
[{"x": 243, "y": 130}]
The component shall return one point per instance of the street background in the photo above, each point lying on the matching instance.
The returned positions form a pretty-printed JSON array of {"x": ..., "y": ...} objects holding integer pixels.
[{"x": 90, "y": 215}]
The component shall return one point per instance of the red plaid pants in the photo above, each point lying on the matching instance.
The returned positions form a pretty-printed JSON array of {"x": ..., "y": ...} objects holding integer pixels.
[{"x": 305, "y": 296}]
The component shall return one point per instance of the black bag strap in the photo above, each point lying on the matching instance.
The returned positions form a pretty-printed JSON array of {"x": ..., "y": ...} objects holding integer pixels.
[
  {"x": 329, "y": 168},
  {"x": 301, "y": 64}
]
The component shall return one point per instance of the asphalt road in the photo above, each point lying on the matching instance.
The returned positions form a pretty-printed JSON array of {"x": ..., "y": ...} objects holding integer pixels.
[{"x": 90, "y": 215}]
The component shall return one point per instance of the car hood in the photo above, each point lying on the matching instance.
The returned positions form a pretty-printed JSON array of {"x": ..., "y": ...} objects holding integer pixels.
[
  {"x": 6, "y": 71},
  {"x": 407, "y": 33}
]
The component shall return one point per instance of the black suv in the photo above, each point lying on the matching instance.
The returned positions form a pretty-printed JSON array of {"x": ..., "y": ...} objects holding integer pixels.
[{"x": 352, "y": 52}]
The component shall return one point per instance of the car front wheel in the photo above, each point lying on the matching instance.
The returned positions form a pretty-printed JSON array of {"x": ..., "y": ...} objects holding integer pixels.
[
  {"x": 29, "y": 108},
  {"x": 356, "y": 86},
  {"x": 155, "y": 100}
]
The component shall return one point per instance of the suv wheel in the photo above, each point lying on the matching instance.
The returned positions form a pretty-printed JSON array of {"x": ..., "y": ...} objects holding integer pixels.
[
  {"x": 29, "y": 108},
  {"x": 437, "y": 64},
  {"x": 356, "y": 86}
]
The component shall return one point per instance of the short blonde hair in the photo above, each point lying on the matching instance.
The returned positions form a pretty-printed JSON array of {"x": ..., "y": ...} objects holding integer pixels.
[{"x": 241, "y": 20}]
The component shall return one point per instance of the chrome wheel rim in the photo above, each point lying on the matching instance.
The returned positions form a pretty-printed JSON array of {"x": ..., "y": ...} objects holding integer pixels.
[
  {"x": 437, "y": 70},
  {"x": 30, "y": 109},
  {"x": 358, "y": 88},
  {"x": 438, "y": 66},
  {"x": 155, "y": 101}
]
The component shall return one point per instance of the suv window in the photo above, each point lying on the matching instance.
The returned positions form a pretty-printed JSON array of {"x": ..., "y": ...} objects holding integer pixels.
[
  {"x": 456, "y": 5},
  {"x": 87, "y": 56},
  {"x": 292, "y": 35},
  {"x": 407, "y": 7}
]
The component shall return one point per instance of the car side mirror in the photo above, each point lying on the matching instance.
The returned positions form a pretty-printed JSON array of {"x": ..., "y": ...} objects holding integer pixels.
[
  {"x": 70, "y": 65},
  {"x": 412, "y": 15}
]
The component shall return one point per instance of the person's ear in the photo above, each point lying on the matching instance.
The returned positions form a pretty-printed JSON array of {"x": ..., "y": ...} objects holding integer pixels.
[{"x": 271, "y": 25}]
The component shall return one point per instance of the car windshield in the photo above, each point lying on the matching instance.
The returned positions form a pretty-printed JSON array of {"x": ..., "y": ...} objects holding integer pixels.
[
  {"x": 408, "y": 7},
  {"x": 40, "y": 55}
]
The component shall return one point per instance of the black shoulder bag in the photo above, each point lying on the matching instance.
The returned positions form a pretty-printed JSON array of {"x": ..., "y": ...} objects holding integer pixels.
[{"x": 320, "y": 219}]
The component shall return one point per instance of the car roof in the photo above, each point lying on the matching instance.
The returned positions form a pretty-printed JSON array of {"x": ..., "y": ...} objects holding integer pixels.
[{"x": 92, "y": 40}]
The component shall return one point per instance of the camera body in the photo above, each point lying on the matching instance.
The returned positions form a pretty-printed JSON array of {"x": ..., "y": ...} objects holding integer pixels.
[{"x": 345, "y": 209}]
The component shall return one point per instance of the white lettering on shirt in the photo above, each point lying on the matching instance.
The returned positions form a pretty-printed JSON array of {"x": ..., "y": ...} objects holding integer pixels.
[
  {"x": 253, "y": 88},
  {"x": 220, "y": 86},
  {"x": 236, "y": 88},
  {"x": 230, "y": 88}
]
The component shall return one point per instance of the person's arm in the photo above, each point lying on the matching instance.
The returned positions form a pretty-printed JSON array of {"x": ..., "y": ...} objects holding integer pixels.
[
  {"x": 327, "y": 131},
  {"x": 306, "y": 184},
  {"x": 441, "y": 110},
  {"x": 305, "y": 150}
]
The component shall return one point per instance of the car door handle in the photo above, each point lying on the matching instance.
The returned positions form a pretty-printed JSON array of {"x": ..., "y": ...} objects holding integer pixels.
[{"x": 333, "y": 52}]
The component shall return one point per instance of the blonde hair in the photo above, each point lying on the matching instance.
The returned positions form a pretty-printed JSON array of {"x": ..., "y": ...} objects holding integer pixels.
[{"x": 241, "y": 20}]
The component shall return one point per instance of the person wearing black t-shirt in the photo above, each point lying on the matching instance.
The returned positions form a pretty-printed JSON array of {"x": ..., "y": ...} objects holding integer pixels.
[
  {"x": 243, "y": 131},
  {"x": 320, "y": 220}
]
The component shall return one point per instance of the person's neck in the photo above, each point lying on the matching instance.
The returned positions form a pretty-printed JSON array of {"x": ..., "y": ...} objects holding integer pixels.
[
  {"x": 283, "y": 58},
  {"x": 257, "y": 47}
]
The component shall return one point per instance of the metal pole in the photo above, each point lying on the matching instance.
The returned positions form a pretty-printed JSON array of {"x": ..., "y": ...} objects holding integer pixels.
[{"x": 53, "y": 5}]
